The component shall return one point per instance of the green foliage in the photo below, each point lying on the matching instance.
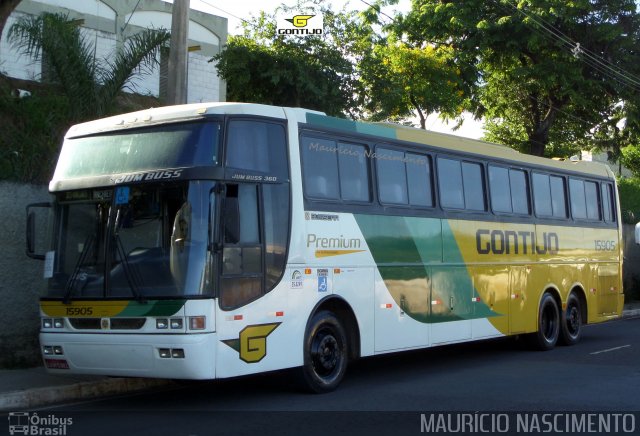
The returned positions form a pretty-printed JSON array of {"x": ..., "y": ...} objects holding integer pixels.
[
  {"x": 399, "y": 79},
  {"x": 81, "y": 88},
  {"x": 526, "y": 76},
  {"x": 631, "y": 159},
  {"x": 262, "y": 66},
  {"x": 91, "y": 85},
  {"x": 629, "y": 191},
  {"x": 33, "y": 128}
]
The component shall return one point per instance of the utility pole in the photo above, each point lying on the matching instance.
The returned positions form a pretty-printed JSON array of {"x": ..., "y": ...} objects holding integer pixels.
[{"x": 177, "y": 80}]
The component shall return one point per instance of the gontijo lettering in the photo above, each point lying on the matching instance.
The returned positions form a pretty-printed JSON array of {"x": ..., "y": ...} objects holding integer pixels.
[{"x": 516, "y": 242}]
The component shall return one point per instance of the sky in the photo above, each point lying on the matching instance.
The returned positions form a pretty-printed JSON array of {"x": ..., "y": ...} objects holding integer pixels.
[{"x": 237, "y": 10}]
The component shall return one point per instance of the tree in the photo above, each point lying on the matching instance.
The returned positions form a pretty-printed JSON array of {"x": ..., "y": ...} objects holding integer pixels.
[
  {"x": 319, "y": 73},
  {"x": 90, "y": 85},
  {"x": 6, "y": 7},
  {"x": 399, "y": 79},
  {"x": 531, "y": 79}
]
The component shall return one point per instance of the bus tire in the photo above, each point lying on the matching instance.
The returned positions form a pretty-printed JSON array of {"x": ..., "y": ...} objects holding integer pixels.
[
  {"x": 325, "y": 353},
  {"x": 546, "y": 337},
  {"x": 571, "y": 321}
]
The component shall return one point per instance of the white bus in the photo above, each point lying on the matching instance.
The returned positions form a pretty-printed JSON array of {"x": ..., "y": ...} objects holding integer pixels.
[{"x": 216, "y": 240}]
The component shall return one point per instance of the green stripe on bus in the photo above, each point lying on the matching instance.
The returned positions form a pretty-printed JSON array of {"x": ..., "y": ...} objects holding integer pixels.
[
  {"x": 352, "y": 126},
  {"x": 408, "y": 252},
  {"x": 153, "y": 308}
]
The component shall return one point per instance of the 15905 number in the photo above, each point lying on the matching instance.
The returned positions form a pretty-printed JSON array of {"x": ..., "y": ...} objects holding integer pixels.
[
  {"x": 71, "y": 311},
  {"x": 605, "y": 245}
]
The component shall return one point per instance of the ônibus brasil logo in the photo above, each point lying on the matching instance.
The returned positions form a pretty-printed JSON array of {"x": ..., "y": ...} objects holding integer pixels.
[{"x": 301, "y": 25}]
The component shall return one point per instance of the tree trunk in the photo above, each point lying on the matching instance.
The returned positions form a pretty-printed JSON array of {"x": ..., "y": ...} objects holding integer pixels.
[
  {"x": 6, "y": 7},
  {"x": 538, "y": 136},
  {"x": 423, "y": 119}
]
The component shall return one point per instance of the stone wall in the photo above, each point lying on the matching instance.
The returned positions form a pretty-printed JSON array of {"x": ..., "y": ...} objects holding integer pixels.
[{"x": 21, "y": 279}]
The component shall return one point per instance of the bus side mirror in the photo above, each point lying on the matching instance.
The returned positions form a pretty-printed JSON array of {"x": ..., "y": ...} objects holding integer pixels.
[
  {"x": 637, "y": 233},
  {"x": 36, "y": 228}
]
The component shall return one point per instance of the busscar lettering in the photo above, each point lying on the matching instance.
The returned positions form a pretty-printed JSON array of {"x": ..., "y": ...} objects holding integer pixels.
[{"x": 512, "y": 242}]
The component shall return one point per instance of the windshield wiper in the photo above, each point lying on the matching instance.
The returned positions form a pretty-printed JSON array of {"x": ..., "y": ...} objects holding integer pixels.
[
  {"x": 132, "y": 274},
  {"x": 88, "y": 244}
]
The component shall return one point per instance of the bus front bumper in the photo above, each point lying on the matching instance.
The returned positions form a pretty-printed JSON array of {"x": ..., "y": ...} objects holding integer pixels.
[{"x": 186, "y": 356}]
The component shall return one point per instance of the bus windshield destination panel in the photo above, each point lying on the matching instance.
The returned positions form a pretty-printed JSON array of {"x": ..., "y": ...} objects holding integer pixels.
[{"x": 233, "y": 239}]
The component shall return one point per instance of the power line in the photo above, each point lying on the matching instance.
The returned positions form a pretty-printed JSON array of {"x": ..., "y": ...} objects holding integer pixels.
[
  {"x": 230, "y": 14},
  {"x": 592, "y": 59},
  {"x": 379, "y": 10}
]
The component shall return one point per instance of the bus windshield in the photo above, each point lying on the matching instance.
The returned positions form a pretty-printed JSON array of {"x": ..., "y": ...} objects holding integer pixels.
[
  {"x": 131, "y": 242},
  {"x": 154, "y": 147}
]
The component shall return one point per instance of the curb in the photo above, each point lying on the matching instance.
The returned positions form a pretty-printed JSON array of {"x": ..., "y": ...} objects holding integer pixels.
[
  {"x": 32, "y": 398},
  {"x": 630, "y": 313}
]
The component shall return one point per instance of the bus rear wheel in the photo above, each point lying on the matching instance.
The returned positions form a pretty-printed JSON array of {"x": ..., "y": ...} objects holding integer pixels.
[
  {"x": 548, "y": 324},
  {"x": 325, "y": 353},
  {"x": 571, "y": 322}
]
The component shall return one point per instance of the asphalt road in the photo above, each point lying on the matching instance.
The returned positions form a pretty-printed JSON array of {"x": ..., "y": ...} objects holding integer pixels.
[{"x": 399, "y": 394}]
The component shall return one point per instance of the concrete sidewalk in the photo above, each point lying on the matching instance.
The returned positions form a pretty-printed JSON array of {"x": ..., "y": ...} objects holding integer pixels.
[{"x": 24, "y": 389}]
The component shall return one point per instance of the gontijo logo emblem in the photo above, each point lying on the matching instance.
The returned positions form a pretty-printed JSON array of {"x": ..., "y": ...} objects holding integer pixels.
[
  {"x": 299, "y": 20},
  {"x": 301, "y": 25},
  {"x": 252, "y": 342}
]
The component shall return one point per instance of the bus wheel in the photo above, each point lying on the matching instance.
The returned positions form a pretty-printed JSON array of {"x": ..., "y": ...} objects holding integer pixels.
[
  {"x": 571, "y": 322},
  {"x": 548, "y": 324},
  {"x": 325, "y": 353}
]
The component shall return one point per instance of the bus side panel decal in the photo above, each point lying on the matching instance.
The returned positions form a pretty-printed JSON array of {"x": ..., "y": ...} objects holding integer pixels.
[{"x": 406, "y": 250}]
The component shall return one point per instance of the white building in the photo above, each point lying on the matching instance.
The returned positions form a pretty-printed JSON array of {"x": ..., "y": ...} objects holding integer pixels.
[{"x": 109, "y": 22}]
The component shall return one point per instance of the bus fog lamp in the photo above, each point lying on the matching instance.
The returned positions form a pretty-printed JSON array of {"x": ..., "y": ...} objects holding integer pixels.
[
  {"x": 176, "y": 323},
  {"x": 162, "y": 323},
  {"x": 165, "y": 353},
  {"x": 177, "y": 353},
  {"x": 197, "y": 322}
]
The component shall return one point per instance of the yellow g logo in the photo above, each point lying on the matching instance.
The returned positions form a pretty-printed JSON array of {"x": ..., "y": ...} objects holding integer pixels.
[
  {"x": 300, "y": 20},
  {"x": 252, "y": 342}
]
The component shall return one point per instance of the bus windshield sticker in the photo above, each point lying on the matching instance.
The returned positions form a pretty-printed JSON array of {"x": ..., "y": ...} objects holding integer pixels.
[
  {"x": 296, "y": 280},
  {"x": 122, "y": 195},
  {"x": 323, "y": 282},
  {"x": 48, "y": 264}
]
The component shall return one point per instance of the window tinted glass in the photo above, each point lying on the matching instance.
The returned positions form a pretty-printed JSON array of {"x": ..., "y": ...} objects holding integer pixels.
[
  {"x": 578, "y": 205},
  {"x": 419, "y": 179},
  {"x": 275, "y": 199},
  {"x": 392, "y": 178},
  {"x": 257, "y": 146},
  {"x": 593, "y": 200},
  {"x": 450, "y": 183},
  {"x": 541, "y": 194},
  {"x": 558, "y": 197},
  {"x": 607, "y": 202},
  {"x": 320, "y": 168},
  {"x": 500, "y": 190},
  {"x": 354, "y": 172},
  {"x": 519, "y": 192},
  {"x": 473, "y": 181}
]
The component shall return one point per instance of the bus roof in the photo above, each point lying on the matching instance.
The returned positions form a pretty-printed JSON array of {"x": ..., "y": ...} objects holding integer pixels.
[{"x": 388, "y": 131}]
